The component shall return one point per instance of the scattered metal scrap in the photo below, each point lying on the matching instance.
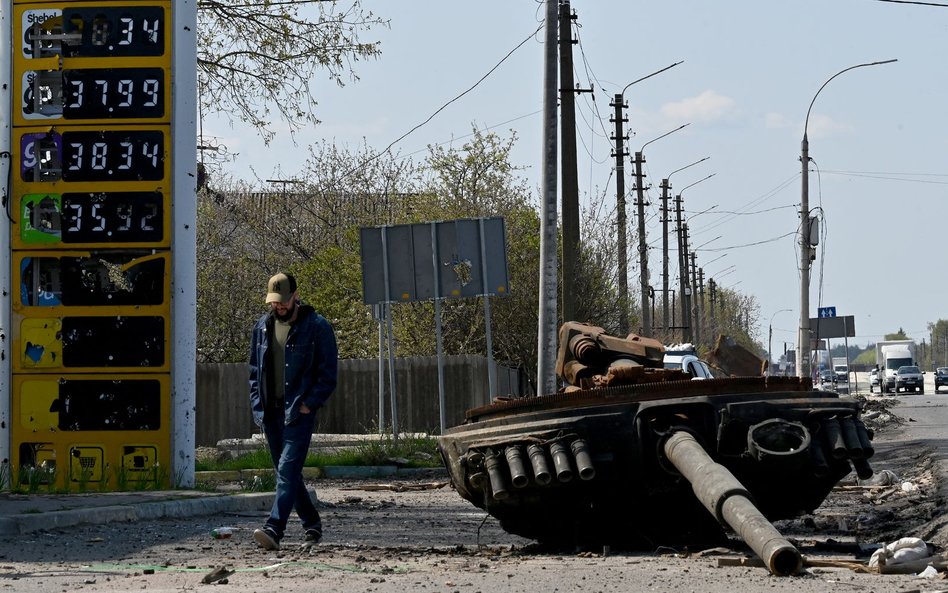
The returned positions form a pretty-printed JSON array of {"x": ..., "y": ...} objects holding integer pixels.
[{"x": 399, "y": 487}]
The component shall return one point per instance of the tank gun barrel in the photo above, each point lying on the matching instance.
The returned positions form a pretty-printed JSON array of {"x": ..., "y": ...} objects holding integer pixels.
[{"x": 730, "y": 503}]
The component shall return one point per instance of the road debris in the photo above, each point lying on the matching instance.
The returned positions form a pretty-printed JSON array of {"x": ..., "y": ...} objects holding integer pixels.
[
  {"x": 219, "y": 573},
  {"x": 399, "y": 487}
]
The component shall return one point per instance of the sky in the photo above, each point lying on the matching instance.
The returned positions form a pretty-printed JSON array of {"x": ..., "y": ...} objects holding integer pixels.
[{"x": 750, "y": 69}]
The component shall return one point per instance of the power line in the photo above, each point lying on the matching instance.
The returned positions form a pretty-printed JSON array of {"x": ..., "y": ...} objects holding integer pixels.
[
  {"x": 887, "y": 177},
  {"x": 790, "y": 234},
  {"x": 915, "y": 2},
  {"x": 443, "y": 107}
]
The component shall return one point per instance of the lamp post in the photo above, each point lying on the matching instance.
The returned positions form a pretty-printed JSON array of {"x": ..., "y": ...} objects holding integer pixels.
[
  {"x": 807, "y": 251},
  {"x": 770, "y": 339},
  {"x": 683, "y": 266},
  {"x": 621, "y": 252},
  {"x": 647, "y": 317},
  {"x": 666, "y": 186}
]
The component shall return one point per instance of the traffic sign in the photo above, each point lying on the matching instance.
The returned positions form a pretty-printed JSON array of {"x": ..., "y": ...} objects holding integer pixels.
[{"x": 827, "y": 311}]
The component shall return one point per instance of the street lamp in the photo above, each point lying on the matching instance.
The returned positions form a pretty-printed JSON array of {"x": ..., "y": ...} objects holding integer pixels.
[
  {"x": 647, "y": 317},
  {"x": 770, "y": 339},
  {"x": 683, "y": 266},
  {"x": 621, "y": 252},
  {"x": 665, "y": 187},
  {"x": 807, "y": 251}
]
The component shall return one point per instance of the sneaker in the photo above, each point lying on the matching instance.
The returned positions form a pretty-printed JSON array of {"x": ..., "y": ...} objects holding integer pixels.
[
  {"x": 266, "y": 538},
  {"x": 312, "y": 538}
]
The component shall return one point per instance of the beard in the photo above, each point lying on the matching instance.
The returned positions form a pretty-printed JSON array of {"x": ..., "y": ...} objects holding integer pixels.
[{"x": 289, "y": 313}]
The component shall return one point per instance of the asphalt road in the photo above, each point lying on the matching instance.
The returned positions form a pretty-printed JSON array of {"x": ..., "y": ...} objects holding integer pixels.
[{"x": 426, "y": 538}]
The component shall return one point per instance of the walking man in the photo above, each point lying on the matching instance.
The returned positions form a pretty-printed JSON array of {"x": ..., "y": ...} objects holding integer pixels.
[{"x": 293, "y": 360}]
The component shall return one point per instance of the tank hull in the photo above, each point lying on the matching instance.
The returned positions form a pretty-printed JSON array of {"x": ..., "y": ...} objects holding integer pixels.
[{"x": 588, "y": 466}]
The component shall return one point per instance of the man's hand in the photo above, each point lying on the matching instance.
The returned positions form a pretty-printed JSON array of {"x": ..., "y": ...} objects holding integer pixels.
[{"x": 304, "y": 409}]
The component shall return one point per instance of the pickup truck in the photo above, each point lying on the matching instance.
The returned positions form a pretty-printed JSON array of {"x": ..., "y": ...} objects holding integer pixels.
[{"x": 909, "y": 377}]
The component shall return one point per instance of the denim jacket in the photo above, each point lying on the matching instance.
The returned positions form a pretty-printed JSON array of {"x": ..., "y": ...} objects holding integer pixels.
[{"x": 311, "y": 362}]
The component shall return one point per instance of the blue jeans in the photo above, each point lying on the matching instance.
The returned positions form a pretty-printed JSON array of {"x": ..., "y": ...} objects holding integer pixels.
[{"x": 289, "y": 446}]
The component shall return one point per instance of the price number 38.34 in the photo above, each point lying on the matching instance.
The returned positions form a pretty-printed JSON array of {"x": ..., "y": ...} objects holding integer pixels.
[{"x": 136, "y": 155}]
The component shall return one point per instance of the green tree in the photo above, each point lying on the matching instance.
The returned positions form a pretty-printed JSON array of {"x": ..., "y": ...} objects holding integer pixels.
[
  {"x": 939, "y": 344},
  {"x": 899, "y": 335},
  {"x": 232, "y": 267}
]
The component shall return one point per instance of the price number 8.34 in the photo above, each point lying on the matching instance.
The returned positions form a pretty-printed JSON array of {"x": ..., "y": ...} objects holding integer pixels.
[{"x": 136, "y": 155}]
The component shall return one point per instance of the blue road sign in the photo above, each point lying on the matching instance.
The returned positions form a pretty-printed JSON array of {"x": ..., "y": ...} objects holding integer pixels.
[{"x": 827, "y": 311}]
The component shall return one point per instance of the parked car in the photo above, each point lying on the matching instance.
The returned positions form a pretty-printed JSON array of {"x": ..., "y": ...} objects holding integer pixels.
[
  {"x": 909, "y": 378},
  {"x": 941, "y": 377},
  {"x": 689, "y": 363},
  {"x": 873, "y": 379}
]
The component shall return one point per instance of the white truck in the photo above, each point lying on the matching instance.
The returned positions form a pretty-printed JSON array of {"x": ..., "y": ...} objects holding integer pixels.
[
  {"x": 890, "y": 355},
  {"x": 841, "y": 369}
]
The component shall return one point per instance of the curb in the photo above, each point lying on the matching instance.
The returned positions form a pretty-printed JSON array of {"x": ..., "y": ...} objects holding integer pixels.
[
  {"x": 205, "y": 505},
  {"x": 355, "y": 472},
  {"x": 190, "y": 504}
]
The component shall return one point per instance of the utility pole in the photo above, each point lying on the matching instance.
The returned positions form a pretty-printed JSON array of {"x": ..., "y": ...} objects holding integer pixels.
[
  {"x": 546, "y": 334},
  {"x": 665, "y": 187},
  {"x": 695, "y": 321},
  {"x": 570, "y": 196},
  {"x": 701, "y": 318},
  {"x": 621, "y": 252},
  {"x": 713, "y": 298},
  {"x": 643, "y": 245},
  {"x": 807, "y": 250},
  {"x": 682, "y": 272},
  {"x": 620, "y": 153},
  {"x": 686, "y": 298}
]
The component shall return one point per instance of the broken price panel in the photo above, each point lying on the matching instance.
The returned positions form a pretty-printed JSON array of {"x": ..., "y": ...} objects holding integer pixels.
[{"x": 90, "y": 247}]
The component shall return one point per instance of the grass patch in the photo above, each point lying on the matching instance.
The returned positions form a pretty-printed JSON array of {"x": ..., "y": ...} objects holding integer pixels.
[
  {"x": 256, "y": 459},
  {"x": 406, "y": 451}
]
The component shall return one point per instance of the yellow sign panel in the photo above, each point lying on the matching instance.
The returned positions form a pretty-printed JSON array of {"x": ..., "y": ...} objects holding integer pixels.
[
  {"x": 81, "y": 62},
  {"x": 79, "y": 428},
  {"x": 129, "y": 282},
  {"x": 90, "y": 260},
  {"x": 40, "y": 344},
  {"x": 93, "y": 219},
  {"x": 92, "y": 343},
  {"x": 91, "y": 159}
]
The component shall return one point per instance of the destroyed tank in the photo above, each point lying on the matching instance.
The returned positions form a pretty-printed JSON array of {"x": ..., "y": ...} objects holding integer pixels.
[{"x": 632, "y": 454}]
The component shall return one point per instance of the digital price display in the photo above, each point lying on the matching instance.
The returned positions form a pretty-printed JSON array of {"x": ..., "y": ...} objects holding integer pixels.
[
  {"x": 98, "y": 93},
  {"x": 79, "y": 403},
  {"x": 96, "y": 279},
  {"x": 108, "y": 405},
  {"x": 110, "y": 155},
  {"x": 113, "y": 342},
  {"x": 93, "y": 31},
  {"x": 92, "y": 217}
]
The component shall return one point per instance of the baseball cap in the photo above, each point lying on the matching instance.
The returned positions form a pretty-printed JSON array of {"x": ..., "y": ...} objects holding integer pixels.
[{"x": 280, "y": 288}]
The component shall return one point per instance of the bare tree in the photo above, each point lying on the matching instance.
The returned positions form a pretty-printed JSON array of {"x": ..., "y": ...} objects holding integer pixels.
[{"x": 256, "y": 57}]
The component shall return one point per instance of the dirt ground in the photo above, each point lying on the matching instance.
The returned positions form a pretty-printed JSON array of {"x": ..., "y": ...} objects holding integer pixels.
[{"x": 421, "y": 536}]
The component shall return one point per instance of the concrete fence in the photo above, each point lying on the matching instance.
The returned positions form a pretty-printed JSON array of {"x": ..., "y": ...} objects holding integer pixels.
[{"x": 223, "y": 403}]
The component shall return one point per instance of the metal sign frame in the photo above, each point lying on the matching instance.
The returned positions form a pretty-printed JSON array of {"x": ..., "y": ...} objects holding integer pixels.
[{"x": 169, "y": 74}]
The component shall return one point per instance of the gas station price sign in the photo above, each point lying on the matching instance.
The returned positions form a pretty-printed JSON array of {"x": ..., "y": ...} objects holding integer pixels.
[
  {"x": 119, "y": 218},
  {"x": 92, "y": 155},
  {"x": 101, "y": 29},
  {"x": 90, "y": 257},
  {"x": 82, "y": 62},
  {"x": 99, "y": 93}
]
